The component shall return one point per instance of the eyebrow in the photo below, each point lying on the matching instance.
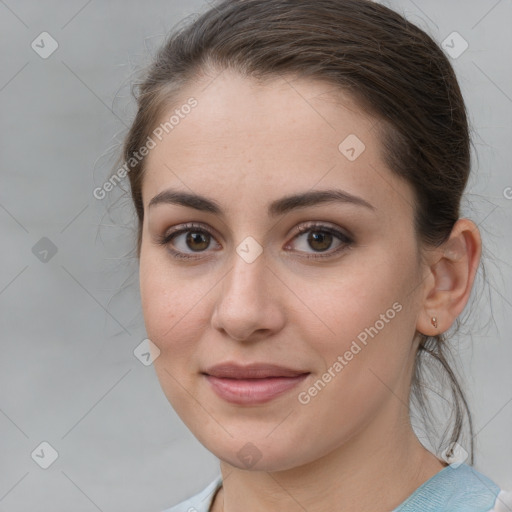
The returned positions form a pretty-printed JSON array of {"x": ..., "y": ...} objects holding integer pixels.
[{"x": 277, "y": 207}]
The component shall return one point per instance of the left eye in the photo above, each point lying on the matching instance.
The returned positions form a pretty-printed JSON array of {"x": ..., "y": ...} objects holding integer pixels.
[{"x": 320, "y": 239}]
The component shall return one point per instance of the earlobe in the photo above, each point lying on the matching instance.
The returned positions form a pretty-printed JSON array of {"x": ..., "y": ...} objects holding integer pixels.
[{"x": 453, "y": 268}]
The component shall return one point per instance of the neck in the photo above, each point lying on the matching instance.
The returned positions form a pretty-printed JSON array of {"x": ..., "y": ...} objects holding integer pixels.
[{"x": 376, "y": 470}]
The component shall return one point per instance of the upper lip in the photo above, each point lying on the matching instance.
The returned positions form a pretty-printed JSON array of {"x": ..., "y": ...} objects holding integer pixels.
[{"x": 251, "y": 371}]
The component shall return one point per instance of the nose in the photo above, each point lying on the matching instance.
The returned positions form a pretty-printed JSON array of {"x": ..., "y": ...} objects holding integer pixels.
[{"x": 248, "y": 305}]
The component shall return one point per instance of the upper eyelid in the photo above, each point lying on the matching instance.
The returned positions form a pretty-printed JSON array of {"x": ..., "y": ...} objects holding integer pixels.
[{"x": 302, "y": 227}]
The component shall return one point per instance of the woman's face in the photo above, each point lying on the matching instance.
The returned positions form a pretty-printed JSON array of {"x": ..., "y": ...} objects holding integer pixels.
[{"x": 311, "y": 331}]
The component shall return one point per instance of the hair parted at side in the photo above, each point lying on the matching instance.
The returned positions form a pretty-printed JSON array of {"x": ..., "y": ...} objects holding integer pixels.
[{"x": 392, "y": 68}]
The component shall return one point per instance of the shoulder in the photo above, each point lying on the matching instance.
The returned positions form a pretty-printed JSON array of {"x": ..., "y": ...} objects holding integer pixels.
[
  {"x": 201, "y": 501},
  {"x": 458, "y": 488}
]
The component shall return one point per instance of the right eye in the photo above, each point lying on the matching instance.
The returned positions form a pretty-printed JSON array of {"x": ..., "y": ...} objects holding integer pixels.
[{"x": 185, "y": 241}]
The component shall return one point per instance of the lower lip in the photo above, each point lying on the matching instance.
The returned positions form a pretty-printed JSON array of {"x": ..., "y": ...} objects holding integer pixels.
[{"x": 253, "y": 391}]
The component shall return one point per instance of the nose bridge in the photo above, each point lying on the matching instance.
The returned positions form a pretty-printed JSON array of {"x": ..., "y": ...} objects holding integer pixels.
[
  {"x": 244, "y": 304},
  {"x": 247, "y": 280}
]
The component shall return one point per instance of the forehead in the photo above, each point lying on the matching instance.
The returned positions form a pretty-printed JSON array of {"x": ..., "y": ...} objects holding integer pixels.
[{"x": 246, "y": 137}]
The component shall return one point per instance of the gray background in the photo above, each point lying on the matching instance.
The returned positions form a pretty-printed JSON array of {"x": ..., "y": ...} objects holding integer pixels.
[{"x": 68, "y": 375}]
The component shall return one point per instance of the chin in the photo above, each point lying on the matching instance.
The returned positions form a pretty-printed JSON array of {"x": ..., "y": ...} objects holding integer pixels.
[{"x": 258, "y": 451}]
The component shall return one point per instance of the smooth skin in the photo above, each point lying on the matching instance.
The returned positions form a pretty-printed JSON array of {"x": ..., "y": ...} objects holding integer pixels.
[{"x": 245, "y": 145}]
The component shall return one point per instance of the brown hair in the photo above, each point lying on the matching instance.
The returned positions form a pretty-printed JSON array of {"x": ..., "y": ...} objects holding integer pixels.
[{"x": 391, "y": 67}]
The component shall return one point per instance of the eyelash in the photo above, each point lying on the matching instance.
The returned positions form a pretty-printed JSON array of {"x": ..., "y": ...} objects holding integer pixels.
[{"x": 346, "y": 241}]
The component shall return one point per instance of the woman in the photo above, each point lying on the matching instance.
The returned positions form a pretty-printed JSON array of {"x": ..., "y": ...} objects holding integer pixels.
[{"x": 298, "y": 175}]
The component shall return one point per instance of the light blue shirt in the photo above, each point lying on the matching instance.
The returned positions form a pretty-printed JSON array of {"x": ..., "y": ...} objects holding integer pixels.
[{"x": 456, "y": 488}]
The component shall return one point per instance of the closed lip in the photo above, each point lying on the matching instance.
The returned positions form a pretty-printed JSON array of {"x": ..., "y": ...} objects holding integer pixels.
[
  {"x": 252, "y": 384},
  {"x": 251, "y": 371}
]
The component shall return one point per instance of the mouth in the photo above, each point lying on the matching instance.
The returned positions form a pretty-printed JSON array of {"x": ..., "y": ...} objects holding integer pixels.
[{"x": 252, "y": 384}]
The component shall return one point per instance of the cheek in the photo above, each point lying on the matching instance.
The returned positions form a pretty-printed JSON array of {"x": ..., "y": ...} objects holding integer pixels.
[
  {"x": 371, "y": 317},
  {"x": 172, "y": 325},
  {"x": 167, "y": 305},
  {"x": 159, "y": 306},
  {"x": 366, "y": 295}
]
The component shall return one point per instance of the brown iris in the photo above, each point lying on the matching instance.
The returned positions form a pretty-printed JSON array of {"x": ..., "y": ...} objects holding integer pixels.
[
  {"x": 201, "y": 239},
  {"x": 319, "y": 240}
]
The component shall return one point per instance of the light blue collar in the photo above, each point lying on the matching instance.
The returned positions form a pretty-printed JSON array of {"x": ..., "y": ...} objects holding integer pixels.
[{"x": 456, "y": 488}]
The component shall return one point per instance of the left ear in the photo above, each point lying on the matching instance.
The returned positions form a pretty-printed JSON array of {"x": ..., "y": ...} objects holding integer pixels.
[{"x": 451, "y": 272}]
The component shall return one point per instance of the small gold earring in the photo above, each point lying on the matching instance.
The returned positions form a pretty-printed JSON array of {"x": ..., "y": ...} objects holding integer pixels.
[{"x": 434, "y": 321}]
